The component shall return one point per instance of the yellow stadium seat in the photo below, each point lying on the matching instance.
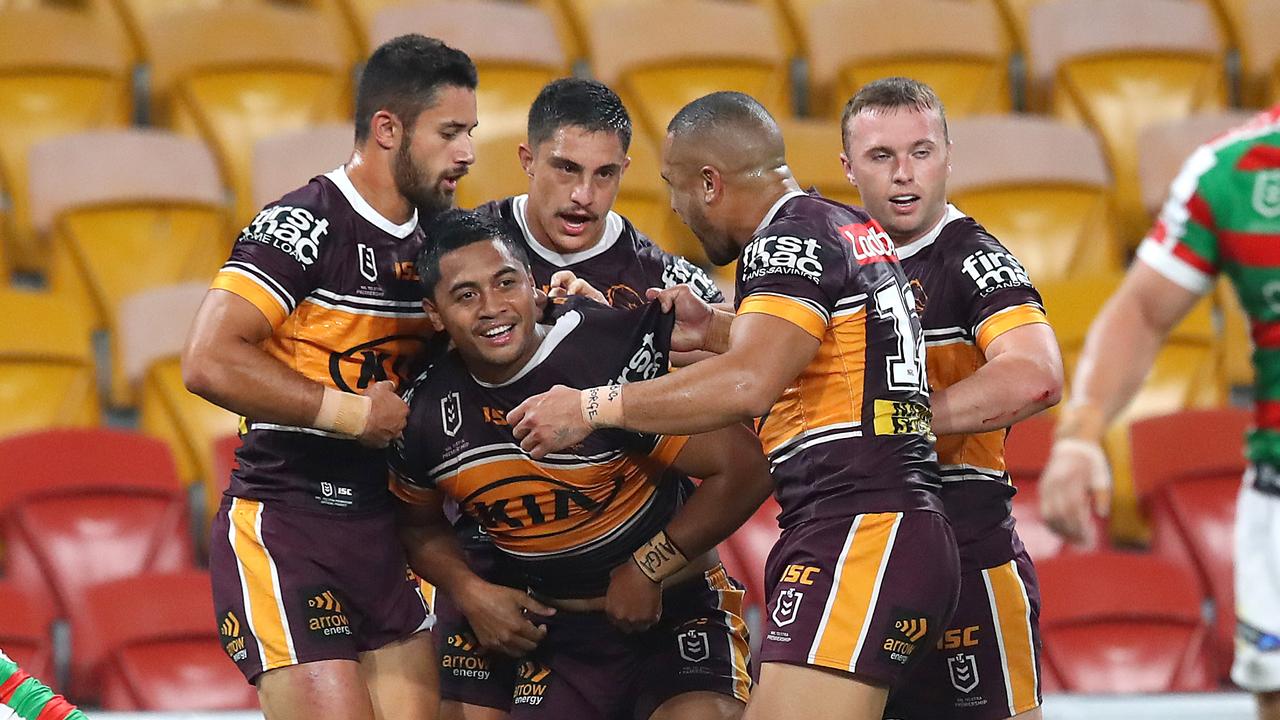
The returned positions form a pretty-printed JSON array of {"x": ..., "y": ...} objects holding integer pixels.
[
  {"x": 1042, "y": 188},
  {"x": 644, "y": 200},
  {"x": 286, "y": 161},
  {"x": 1259, "y": 44},
  {"x": 1099, "y": 70},
  {"x": 60, "y": 72},
  {"x": 138, "y": 15},
  {"x": 234, "y": 75},
  {"x": 153, "y": 327},
  {"x": 958, "y": 48},
  {"x": 514, "y": 47},
  {"x": 497, "y": 173},
  {"x": 128, "y": 210},
  {"x": 813, "y": 152},
  {"x": 695, "y": 47},
  {"x": 47, "y": 377}
]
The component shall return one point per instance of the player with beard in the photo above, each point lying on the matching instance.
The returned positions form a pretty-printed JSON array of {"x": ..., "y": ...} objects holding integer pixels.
[
  {"x": 575, "y": 157},
  {"x": 306, "y": 332}
]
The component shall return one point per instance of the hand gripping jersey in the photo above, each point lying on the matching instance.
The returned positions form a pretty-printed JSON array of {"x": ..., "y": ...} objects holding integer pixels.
[
  {"x": 851, "y": 434},
  {"x": 968, "y": 290},
  {"x": 623, "y": 265},
  {"x": 337, "y": 283},
  {"x": 26, "y": 698},
  {"x": 563, "y": 522},
  {"x": 1223, "y": 216}
]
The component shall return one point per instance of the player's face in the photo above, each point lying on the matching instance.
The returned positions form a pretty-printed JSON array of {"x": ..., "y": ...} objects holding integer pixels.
[
  {"x": 574, "y": 177},
  {"x": 688, "y": 185},
  {"x": 437, "y": 151},
  {"x": 900, "y": 160},
  {"x": 485, "y": 301}
]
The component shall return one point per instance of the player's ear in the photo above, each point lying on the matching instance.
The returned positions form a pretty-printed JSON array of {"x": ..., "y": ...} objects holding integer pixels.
[
  {"x": 385, "y": 129},
  {"x": 433, "y": 314},
  {"x": 526, "y": 158},
  {"x": 712, "y": 184},
  {"x": 848, "y": 169}
]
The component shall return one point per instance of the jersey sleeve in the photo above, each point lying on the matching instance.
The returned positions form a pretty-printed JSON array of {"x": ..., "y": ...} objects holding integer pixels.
[
  {"x": 407, "y": 454},
  {"x": 1183, "y": 244},
  {"x": 274, "y": 263},
  {"x": 791, "y": 275},
  {"x": 995, "y": 288}
]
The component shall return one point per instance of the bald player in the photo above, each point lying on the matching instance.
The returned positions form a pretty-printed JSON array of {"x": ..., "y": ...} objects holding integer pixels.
[{"x": 826, "y": 351}]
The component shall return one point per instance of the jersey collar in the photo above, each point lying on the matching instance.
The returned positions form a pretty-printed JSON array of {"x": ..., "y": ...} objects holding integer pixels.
[
  {"x": 365, "y": 210},
  {"x": 612, "y": 231},
  {"x": 564, "y": 325},
  {"x": 773, "y": 211},
  {"x": 952, "y": 213}
]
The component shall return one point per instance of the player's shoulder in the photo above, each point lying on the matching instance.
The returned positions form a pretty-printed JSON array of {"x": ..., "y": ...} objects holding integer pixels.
[
  {"x": 963, "y": 235},
  {"x": 967, "y": 251}
]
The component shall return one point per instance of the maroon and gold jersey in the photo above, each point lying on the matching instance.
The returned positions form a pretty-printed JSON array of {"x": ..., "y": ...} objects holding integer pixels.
[
  {"x": 969, "y": 290},
  {"x": 563, "y": 522},
  {"x": 851, "y": 433},
  {"x": 336, "y": 281},
  {"x": 622, "y": 265}
]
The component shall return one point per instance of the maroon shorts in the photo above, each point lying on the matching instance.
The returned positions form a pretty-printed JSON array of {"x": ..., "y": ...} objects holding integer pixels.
[
  {"x": 467, "y": 674},
  {"x": 987, "y": 666},
  {"x": 587, "y": 669},
  {"x": 867, "y": 595},
  {"x": 292, "y": 587}
]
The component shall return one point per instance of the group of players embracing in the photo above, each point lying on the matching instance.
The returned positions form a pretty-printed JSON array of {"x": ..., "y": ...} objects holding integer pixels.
[{"x": 557, "y": 488}]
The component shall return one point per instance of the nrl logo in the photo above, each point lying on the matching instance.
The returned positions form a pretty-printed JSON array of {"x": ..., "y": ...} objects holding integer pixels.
[
  {"x": 1266, "y": 193},
  {"x": 451, "y": 413},
  {"x": 787, "y": 608},
  {"x": 964, "y": 672},
  {"x": 694, "y": 646}
]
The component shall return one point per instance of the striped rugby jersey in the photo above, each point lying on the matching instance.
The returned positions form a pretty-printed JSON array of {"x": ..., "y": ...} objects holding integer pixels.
[
  {"x": 1223, "y": 216},
  {"x": 26, "y": 698},
  {"x": 851, "y": 433},
  {"x": 968, "y": 291},
  {"x": 337, "y": 282}
]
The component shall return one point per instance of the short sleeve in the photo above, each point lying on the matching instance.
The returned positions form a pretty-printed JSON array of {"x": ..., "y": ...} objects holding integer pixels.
[
  {"x": 791, "y": 275},
  {"x": 996, "y": 289},
  {"x": 1183, "y": 244},
  {"x": 274, "y": 263}
]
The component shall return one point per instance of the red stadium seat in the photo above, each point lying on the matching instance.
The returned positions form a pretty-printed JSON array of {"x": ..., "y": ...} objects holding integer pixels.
[
  {"x": 1124, "y": 623},
  {"x": 224, "y": 461},
  {"x": 80, "y": 507},
  {"x": 24, "y": 631},
  {"x": 159, "y": 647},
  {"x": 746, "y": 551},
  {"x": 1186, "y": 470}
]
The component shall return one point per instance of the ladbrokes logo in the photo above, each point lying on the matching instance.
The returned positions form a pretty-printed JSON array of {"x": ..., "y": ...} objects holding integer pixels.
[
  {"x": 870, "y": 243},
  {"x": 991, "y": 271},
  {"x": 460, "y": 656},
  {"x": 910, "y": 629},
  {"x": 531, "y": 683},
  {"x": 293, "y": 230},
  {"x": 782, "y": 255},
  {"x": 232, "y": 637},
  {"x": 325, "y": 615}
]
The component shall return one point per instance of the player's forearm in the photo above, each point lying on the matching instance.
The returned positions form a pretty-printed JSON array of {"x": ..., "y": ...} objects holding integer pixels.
[
  {"x": 434, "y": 553},
  {"x": 720, "y": 505},
  {"x": 1118, "y": 353},
  {"x": 711, "y": 394},
  {"x": 243, "y": 378},
  {"x": 1006, "y": 390}
]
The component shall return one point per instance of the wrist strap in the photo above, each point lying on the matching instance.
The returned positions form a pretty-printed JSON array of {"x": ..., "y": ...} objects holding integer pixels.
[
  {"x": 1081, "y": 422},
  {"x": 659, "y": 558},
  {"x": 717, "y": 339},
  {"x": 602, "y": 406},
  {"x": 343, "y": 413}
]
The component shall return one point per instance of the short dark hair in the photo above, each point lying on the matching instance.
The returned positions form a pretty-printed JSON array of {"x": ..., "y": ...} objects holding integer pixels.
[
  {"x": 724, "y": 108},
  {"x": 403, "y": 75},
  {"x": 455, "y": 229},
  {"x": 891, "y": 93},
  {"x": 574, "y": 102}
]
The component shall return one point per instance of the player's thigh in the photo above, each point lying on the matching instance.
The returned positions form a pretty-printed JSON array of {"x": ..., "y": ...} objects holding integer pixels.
[
  {"x": 326, "y": 688},
  {"x": 1035, "y": 714},
  {"x": 813, "y": 693},
  {"x": 1256, "y": 666},
  {"x": 402, "y": 678},
  {"x": 701, "y": 705},
  {"x": 454, "y": 710}
]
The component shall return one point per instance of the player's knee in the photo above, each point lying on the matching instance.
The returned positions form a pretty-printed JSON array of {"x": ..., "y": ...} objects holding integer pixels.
[{"x": 699, "y": 706}]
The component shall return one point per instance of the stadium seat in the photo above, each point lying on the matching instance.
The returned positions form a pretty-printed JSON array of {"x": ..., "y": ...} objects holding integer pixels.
[
  {"x": 497, "y": 172},
  {"x": 1259, "y": 50},
  {"x": 127, "y": 210},
  {"x": 1120, "y": 66},
  {"x": 695, "y": 47},
  {"x": 514, "y": 47},
  {"x": 47, "y": 378},
  {"x": 1042, "y": 188},
  {"x": 234, "y": 75},
  {"x": 748, "y": 550},
  {"x": 24, "y": 630},
  {"x": 1186, "y": 470},
  {"x": 158, "y": 647},
  {"x": 958, "y": 48},
  {"x": 153, "y": 328},
  {"x": 1101, "y": 636},
  {"x": 79, "y": 507},
  {"x": 644, "y": 200},
  {"x": 813, "y": 148},
  {"x": 285, "y": 162},
  {"x": 60, "y": 72}
]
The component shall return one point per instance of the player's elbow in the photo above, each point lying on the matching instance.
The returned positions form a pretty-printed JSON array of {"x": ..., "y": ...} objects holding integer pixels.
[
  {"x": 1043, "y": 384},
  {"x": 199, "y": 370},
  {"x": 753, "y": 396}
]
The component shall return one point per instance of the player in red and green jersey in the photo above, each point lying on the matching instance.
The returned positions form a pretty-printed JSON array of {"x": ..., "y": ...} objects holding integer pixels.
[
  {"x": 26, "y": 698},
  {"x": 1222, "y": 217}
]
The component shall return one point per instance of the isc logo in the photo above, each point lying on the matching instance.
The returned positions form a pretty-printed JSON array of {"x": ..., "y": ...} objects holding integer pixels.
[
  {"x": 799, "y": 574},
  {"x": 957, "y": 638}
]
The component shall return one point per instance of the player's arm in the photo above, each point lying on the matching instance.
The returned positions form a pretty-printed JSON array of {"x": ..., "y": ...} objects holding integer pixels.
[
  {"x": 1022, "y": 376},
  {"x": 496, "y": 613},
  {"x": 765, "y": 354},
  {"x": 735, "y": 481},
  {"x": 1119, "y": 350},
  {"x": 224, "y": 362}
]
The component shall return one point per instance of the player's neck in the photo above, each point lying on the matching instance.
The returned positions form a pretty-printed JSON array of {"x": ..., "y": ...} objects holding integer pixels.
[
  {"x": 760, "y": 202},
  {"x": 372, "y": 178},
  {"x": 904, "y": 239}
]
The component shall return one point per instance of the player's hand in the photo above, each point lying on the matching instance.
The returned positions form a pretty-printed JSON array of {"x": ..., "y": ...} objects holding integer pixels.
[
  {"x": 503, "y": 618},
  {"x": 693, "y": 316},
  {"x": 634, "y": 602},
  {"x": 1075, "y": 484},
  {"x": 564, "y": 283},
  {"x": 387, "y": 415},
  {"x": 549, "y": 422}
]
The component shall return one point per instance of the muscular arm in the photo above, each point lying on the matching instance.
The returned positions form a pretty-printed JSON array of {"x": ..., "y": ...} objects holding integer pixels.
[{"x": 1022, "y": 376}]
